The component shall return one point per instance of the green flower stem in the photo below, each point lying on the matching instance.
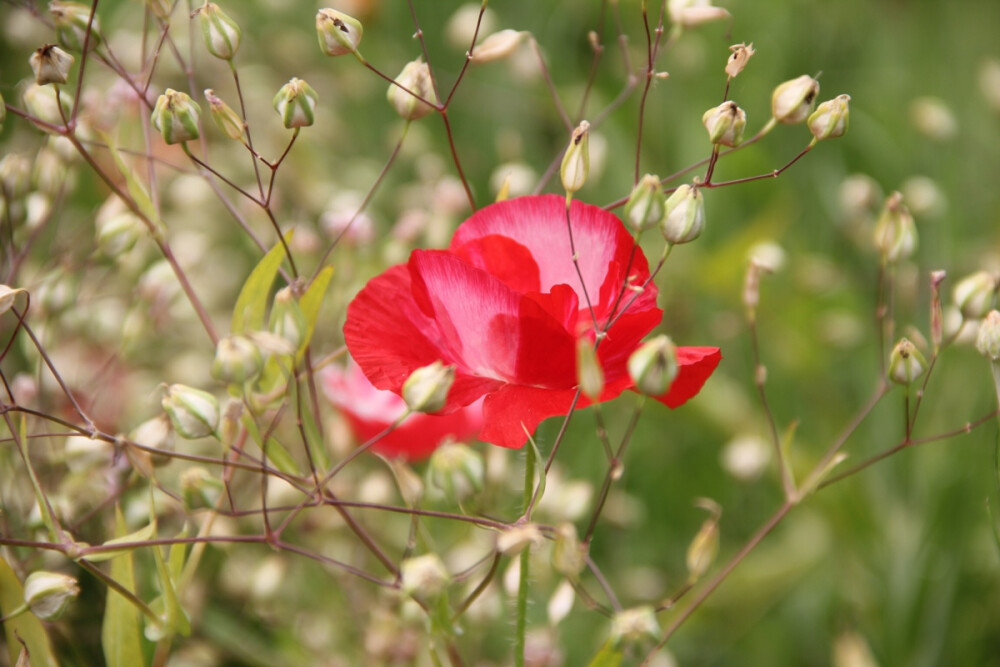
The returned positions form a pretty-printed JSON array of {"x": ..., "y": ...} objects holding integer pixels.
[{"x": 522, "y": 587}]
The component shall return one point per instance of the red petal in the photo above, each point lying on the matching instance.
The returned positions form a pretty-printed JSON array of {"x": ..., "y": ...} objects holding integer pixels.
[
  {"x": 514, "y": 410},
  {"x": 503, "y": 258},
  {"x": 696, "y": 365}
]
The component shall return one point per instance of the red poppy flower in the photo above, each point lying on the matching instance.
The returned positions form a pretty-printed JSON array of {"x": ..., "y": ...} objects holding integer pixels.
[
  {"x": 369, "y": 411},
  {"x": 505, "y": 305}
]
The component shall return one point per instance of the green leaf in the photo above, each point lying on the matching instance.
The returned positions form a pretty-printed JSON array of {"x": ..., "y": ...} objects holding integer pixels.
[
  {"x": 176, "y": 618},
  {"x": 140, "y": 535},
  {"x": 135, "y": 189},
  {"x": 251, "y": 305},
  {"x": 24, "y": 627},
  {"x": 120, "y": 636},
  {"x": 314, "y": 441},
  {"x": 608, "y": 656},
  {"x": 310, "y": 303},
  {"x": 273, "y": 449},
  {"x": 43, "y": 503}
]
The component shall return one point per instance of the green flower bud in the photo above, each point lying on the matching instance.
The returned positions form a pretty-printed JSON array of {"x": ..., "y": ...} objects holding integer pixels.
[
  {"x": 568, "y": 554},
  {"x": 906, "y": 363},
  {"x": 221, "y": 33},
  {"x": 457, "y": 470},
  {"x": 237, "y": 360},
  {"x": 199, "y": 489},
  {"x": 176, "y": 116},
  {"x": 117, "y": 234},
  {"x": 725, "y": 124},
  {"x": 830, "y": 120},
  {"x": 424, "y": 576},
  {"x": 287, "y": 319},
  {"x": 15, "y": 175},
  {"x": 576, "y": 161},
  {"x": 895, "y": 232},
  {"x": 988, "y": 336},
  {"x": 339, "y": 34},
  {"x": 647, "y": 205},
  {"x": 50, "y": 173},
  {"x": 71, "y": 19},
  {"x": 519, "y": 537},
  {"x": 685, "y": 217},
  {"x": 158, "y": 434},
  {"x": 296, "y": 103},
  {"x": 426, "y": 390},
  {"x": 224, "y": 116},
  {"x": 194, "y": 413},
  {"x": 634, "y": 625},
  {"x": 589, "y": 373},
  {"x": 44, "y": 102},
  {"x": 705, "y": 545},
  {"x": 50, "y": 64},
  {"x": 497, "y": 46},
  {"x": 48, "y": 594},
  {"x": 7, "y": 296},
  {"x": 793, "y": 100},
  {"x": 653, "y": 366},
  {"x": 974, "y": 295},
  {"x": 415, "y": 77}
]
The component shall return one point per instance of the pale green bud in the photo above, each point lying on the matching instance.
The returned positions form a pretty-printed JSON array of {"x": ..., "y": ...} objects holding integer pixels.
[
  {"x": 48, "y": 594},
  {"x": 224, "y": 116},
  {"x": 497, "y": 46},
  {"x": 457, "y": 470},
  {"x": 117, "y": 234},
  {"x": 71, "y": 19},
  {"x": 576, "y": 161},
  {"x": 793, "y": 100},
  {"x": 725, "y": 124},
  {"x": 415, "y": 77},
  {"x": 647, "y": 205},
  {"x": 15, "y": 175},
  {"x": 426, "y": 390},
  {"x": 568, "y": 554},
  {"x": 424, "y": 576},
  {"x": 50, "y": 172},
  {"x": 237, "y": 360},
  {"x": 229, "y": 425},
  {"x": 974, "y": 295},
  {"x": 50, "y": 64},
  {"x": 937, "y": 312},
  {"x": 287, "y": 319},
  {"x": 221, "y": 33},
  {"x": 906, "y": 363},
  {"x": 339, "y": 34},
  {"x": 175, "y": 116},
  {"x": 685, "y": 217},
  {"x": 296, "y": 104},
  {"x": 161, "y": 8},
  {"x": 988, "y": 336},
  {"x": 634, "y": 625},
  {"x": 895, "y": 231},
  {"x": 194, "y": 413},
  {"x": 653, "y": 366},
  {"x": 158, "y": 434},
  {"x": 589, "y": 373},
  {"x": 199, "y": 489},
  {"x": 44, "y": 102},
  {"x": 830, "y": 120},
  {"x": 519, "y": 537}
]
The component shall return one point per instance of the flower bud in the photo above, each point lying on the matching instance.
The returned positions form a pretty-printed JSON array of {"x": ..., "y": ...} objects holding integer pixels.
[
  {"x": 176, "y": 116},
  {"x": 741, "y": 54},
  {"x": 692, "y": 13},
  {"x": 589, "y": 373},
  {"x": 517, "y": 538},
  {"x": 46, "y": 105},
  {"x": 416, "y": 80},
  {"x": 498, "y": 46},
  {"x": 895, "y": 232},
  {"x": 937, "y": 313},
  {"x": 237, "y": 360},
  {"x": 287, "y": 319},
  {"x": 158, "y": 434},
  {"x": 50, "y": 64},
  {"x": 199, "y": 489},
  {"x": 457, "y": 470},
  {"x": 974, "y": 294},
  {"x": 705, "y": 545},
  {"x": 224, "y": 116},
  {"x": 221, "y": 33},
  {"x": 7, "y": 296},
  {"x": 830, "y": 119},
  {"x": 793, "y": 100},
  {"x": 339, "y": 34},
  {"x": 685, "y": 217},
  {"x": 653, "y": 366},
  {"x": 906, "y": 363},
  {"x": 15, "y": 175},
  {"x": 647, "y": 204},
  {"x": 725, "y": 124},
  {"x": 229, "y": 424},
  {"x": 426, "y": 390},
  {"x": 50, "y": 173},
  {"x": 576, "y": 161},
  {"x": 71, "y": 19},
  {"x": 633, "y": 625},
  {"x": 117, "y": 234},
  {"x": 988, "y": 336},
  {"x": 194, "y": 413},
  {"x": 424, "y": 576},
  {"x": 568, "y": 554},
  {"x": 296, "y": 103},
  {"x": 48, "y": 594}
]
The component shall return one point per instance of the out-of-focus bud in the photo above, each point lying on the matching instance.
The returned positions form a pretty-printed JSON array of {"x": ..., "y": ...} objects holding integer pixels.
[
  {"x": 49, "y": 173},
  {"x": 568, "y": 554},
  {"x": 937, "y": 313},
  {"x": 705, "y": 545},
  {"x": 71, "y": 20},
  {"x": 158, "y": 434},
  {"x": 117, "y": 228},
  {"x": 685, "y": 217},
  {"x": 237, "y": 360},
  {"x": 194, "y": 413},
  {"x": 224, "y": 116},
  {"x": 725, "y": 124},
  {"x": 229, "y": 425},
  {"x": 462, "y": 26},
  {"x": 895, "y": 231},
  {"x": 296, "y": 104},
  {"x": 424, "y": 576},
  {"x": 56, "y": 292},
  {"x": 339, "y": 34},
  {"x": 561, "y": 603},
  {"x": 175, "y": 116},
  {"x": 517, "y": 538},
  {"x": 199, "y": 489},
  {"x": 221, "y": 33},
  {"x": 497, "y": 46},
  {"x": 693, "y": 13},
  {"x": 974, "y": 295},
  {"x": 741, "y": 54},
  {"x": 50, "y": 64},
  {"x": 988, "y": 337},
  {"x": 906, "y": 363},
  {"x": 15, "y": 175},
  {"x": 793, "y": 100},
  {"x": 932, "y": 118},
  {"x": 653, "y": 366},
  {"x": 589, "y": 373},
  {"x": 7, "y": 296},
  {"x": 287, "y": 319},
  {"x": 576, "y": 161},
  {"x": 48, "y": 594},
  {"x": 647, "y": 205},
  {"x": 989, "y": 82},
  {"x": 830, "y": 120},
  {"x": 457, "y": 470},
  {"x": 43, "y": 103},
  {"x": 634, "y": 625},
  {"x": 416, "y": 80},
  {"x": 426, "y": 390}
]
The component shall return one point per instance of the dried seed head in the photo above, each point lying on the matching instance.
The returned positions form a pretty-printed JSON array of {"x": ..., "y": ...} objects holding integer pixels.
[
  {"x": 498, "y": 46},
  {"x": 50, "y": 64},
  {"x": 738, "y": 59}
]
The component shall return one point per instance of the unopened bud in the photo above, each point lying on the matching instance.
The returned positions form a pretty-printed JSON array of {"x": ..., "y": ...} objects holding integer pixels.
[
  {"x": 830, "y": 120},
  {"x": 685, "y": 217},
  {"x": 50, "y": 173},
  {"x": 414, "y": 83},
  {"x": 45, "y": 104},
  {"x": 194, "y": 413},
  {"x": 71, "y": 20},
  {"x": 15, "y": 175},
  {"x": 576, "y": 161},
  {"x": 221, "y": 33},
  {"x": 741, "y": 54},
  {"x": 424, "y": 576},
  {"x": 589, "y": 373},
  {"x": 117, "y": 228},
  {"x": 974, "y": 295},
  {"x": 7, "y": 296},
  {"x": 568, "y": 554},
  {"x": 237, "y": 360},
  {"x": 339, "y": 34},
  {"x": 937, "y": 314},
  {"x": 50, "y": 64},
  {"x": 287, "y": 319},
  {"x": 705, "y": 545},
  {"x": 634, "y": 625},
  {"x": 156, "y": 433},
  {"x": 199, "y": 489},
  {"x": 426, "y": 390},
  {"x": 693, "y": 13},
  {"x": 725, "y": 124},
  {"x": 895, "y": 231},
  {"x": 296, "y": 104},
  {"x": 176, "y": 116},
  {"x": 517, "y": 538},
  {"x": 497, "y": 46},
  {"x": 793, "y": 100},
  {"x": 48, "y": 594},
  {"x": 224, "y": 116},
  {"x": 653, "y": 366},
  {"x": 988, "y": 337},
  {"x": 457, "y": 470},
  {"x": 647, "y": 205},
  {"x": 229, "y": 424},
  {"x": 906, "y": 363}
]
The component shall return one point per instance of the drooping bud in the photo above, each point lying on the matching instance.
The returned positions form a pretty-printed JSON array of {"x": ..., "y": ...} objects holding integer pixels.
[
  {"x": 176, "y": 116},
  {"x": 906, "y": 363},
  {"x": 287, "y": 319},
  {"x": 568, "y": 554},
  {"x": 71, "y": 20},
  {"x": 830, "y": 120},
  {"x": 589, "y": 373},
  {"x": 974, "y": 295},
  {"x": 7, "y": 296},
  {"x": 517, "y": 538},
  {"x": 685, "y": 217},
  {"x": 693, "y": 13},
  {"x": 426, "y": 390},
  {"x": 457, "y": 470},
  {"x": 793, "y": 100},
  {"x": 634, "y": 625},
  {"x": 50, "y": 64},
  {"x": 647, "y": 205},
  {"x": 296, "y": 104},
  {"x": 237, "y": 360},
  {"x": 725, "y": 124},
  {"x": 705, "y": 545},
  {"x": 48, "y": 594},
  {"x": 653, "y": 366},
  {"x": 224, "y": 116},
  {"x": 413, "y": 83},
  {"x": 576, "y": 161},
  {"x": 221, "y": 33},
  {"x": 424, "y": 576},
  {"x": 497, "y": 46},
  {"x": 895, "y": 231},
  {"x": 339, "y": 34},
  {"x": 194, "y": 413},
  {"x": 988, "y": 336},
  {"x": 741, "y": 54},
  {"x": 157, "y": 434}
]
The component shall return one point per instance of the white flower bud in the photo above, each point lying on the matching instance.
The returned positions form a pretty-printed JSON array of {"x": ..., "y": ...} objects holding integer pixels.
[
  {"x": 221, "y": 33},
  {"x": 988, "y": 336},
  {"x": 906, "y": 363},
  {"x": 830, "y": 120},
  {"x": 237, "y": 359},
  {"x": 497, "y": 46},
  {"x": 653, "y": 366},
  {"x": 692, "y": 13},
  {"x": 176, "y": 117},
  {"x": 158, "y": 434},
  {"x": 895, "y": 231},
  {"x": 71, "y": 19},
  {"x": 287, "y": 319},
  {"x": 338, "y": 33},
  {"x": 296, "y": 104},
  {"x": 576, "y": 161},
  {"x": 633, "y": 625},
  {"x": 685, "y": 217},
  {"x": 426, "y": 390},
  {"x": 647, "y": 205},
  {"x": 50, "y": 64},
  {"x": 48, "y": 594},
  {"x": 793, "y": 100},
  {"x": 568, "y": 554},
  {"x": 974, "y": 295},
  {"x": 725, "y": 124},
  {"x": 424, "y": 576},
  {"x": 457, "y": 470},
  {"x": 15, "y": 175},
  {"x": 194, "y": 413},
  {"x": 7, "y": 296},
  {"x": 414, "y": 83},
  {"x": 517, "y": 538},
  {"x": 43, "y": 103}
]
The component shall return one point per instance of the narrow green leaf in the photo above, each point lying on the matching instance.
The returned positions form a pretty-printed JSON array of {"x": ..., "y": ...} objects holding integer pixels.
[
  {"x": 314, "y": 441},
  {"x": 608, "y": 656},
  {"x": 24, "y": 627},
  {"x": 176, "y": 556},
  {"x": 280, "y": 457},
  {"x": 120, "y": 636},
  {"x": 310, "y": 303},
  {"x": 251, "y": 305},
  {"x": 43, "y": 504},
  {"x": 177, "y": 618},
  {"x": 140, "y": 535},
  {"x": 787, "y": 439}
]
